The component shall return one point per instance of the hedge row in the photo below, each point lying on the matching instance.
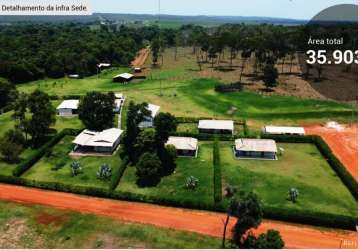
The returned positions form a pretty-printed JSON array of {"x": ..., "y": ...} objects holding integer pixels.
[
  {"x": 38, "y": 153},
  {"x": 118, "y": 174},
  {"x": 65, "y": 97},
  {"x": 217, "y": 173}
]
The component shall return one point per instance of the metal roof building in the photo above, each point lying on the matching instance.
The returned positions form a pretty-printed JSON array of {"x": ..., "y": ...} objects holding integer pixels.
[
  {"x": 255, "y": 149},
  {"x": 280, "y": 130}
]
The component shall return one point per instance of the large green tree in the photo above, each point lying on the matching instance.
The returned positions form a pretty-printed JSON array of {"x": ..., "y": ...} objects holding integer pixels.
[
  {"x": 148, "y": 170},
  {"x": 7, "y": 92},
  {"x": 96, "y": 110},
  {"x": 42, "y": 114}
]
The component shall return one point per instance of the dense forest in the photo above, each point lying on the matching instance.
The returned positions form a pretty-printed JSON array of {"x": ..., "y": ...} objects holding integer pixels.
[{"x": 30, "y": 52}]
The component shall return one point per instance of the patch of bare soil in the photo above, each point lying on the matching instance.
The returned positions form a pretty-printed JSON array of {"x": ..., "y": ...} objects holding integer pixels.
[
  {"x": 47, "y": 219},
  {"x": 16, "y": 234}
]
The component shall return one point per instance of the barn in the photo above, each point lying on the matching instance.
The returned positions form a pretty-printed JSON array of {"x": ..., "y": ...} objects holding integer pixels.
[
  {"x": 256, "y": 149},
  {"x": 149, "y": 120},
  {"x": 185, "y": 146},
  {"x": 280, "y": 130},
  {"x": 123, "y": 78},
  {"x": 105, "y": 141},
  {"x": 68, "y": 108},
  {"x": 216, "y": 127}
]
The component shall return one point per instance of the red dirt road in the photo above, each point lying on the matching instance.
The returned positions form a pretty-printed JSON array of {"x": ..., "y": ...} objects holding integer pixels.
[
  {"x": 344, "y": 145},
  {"x": 140, "y": 58},
  {"x": 208, "y": 223}
]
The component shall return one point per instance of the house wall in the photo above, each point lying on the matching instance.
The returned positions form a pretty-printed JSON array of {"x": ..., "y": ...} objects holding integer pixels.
[
  {"x": 255, "y": 155},
  {"x": 148, "y": 123},
  {"x": 66, "y": 112},
  {"x": 216, "y": 131},
  {"x": 186, "y": 153}
]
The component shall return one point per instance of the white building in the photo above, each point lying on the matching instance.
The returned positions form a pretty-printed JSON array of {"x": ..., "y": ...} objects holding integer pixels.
[
  {"x": 123, "y": 78},
  {"x": 185, "y": 146},
  {"x": 276, "y": 130},
  {"x": 119, "y": 102},
  {"x": 149, "y": 120},
  {"x": 256, "y": 149},
  {"x": 103, "y": 65},
  {"x": 106, "y": 141},
  {"x": 216, "y": 127},
  {"x": 68, "y": 108}
]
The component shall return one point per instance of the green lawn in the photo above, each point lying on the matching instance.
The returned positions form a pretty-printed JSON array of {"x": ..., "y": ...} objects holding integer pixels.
[
  {"x": 24, "y": 226},
  {"x": 301, "y": 166},
  {"x": 7, "y": 168},
  {"x": 180, "y": 89},
  {"x": 42, "y": 170},
  {"x": 172, "y": 187}
]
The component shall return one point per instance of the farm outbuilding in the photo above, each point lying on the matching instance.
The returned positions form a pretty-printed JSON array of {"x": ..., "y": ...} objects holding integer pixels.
[
  {"x": 123, "y": 78},
  {"x": 149, "y": 120},
  {"x": 105, "y": 141},
  {"x": 68, "y": 108},
  {"x": 104, "y": 65},
  {"x": 276, "y": 130},
  {"x": 256, "y": 149},
  {"x": 216, "y": 127},
  {"x": 119, "y": 102},
  {"x": 185, "y": 146}
]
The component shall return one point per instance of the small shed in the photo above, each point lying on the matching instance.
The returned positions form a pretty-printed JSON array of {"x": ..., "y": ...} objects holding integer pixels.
[
  {"x": 149, "y": 120},
  {"x": 256, "y": 149},
  {"x": 68, "y": 108},
  {"x": 119, "y": 102},
  {"x": 104, "y": 65},
  {"x": 281, "y": 130},
  {"x": 74, "y": 76},
  {"x": 123, "y": 78},
  {"x": 216, "y": 127},
  {"x": 185, "y": 146}
]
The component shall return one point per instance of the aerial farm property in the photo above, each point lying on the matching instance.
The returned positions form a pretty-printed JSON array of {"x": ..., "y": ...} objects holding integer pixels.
[{"x": 192, "y": 124}]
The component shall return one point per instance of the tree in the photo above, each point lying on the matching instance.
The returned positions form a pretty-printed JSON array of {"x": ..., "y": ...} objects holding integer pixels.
[
  {"x": 164, "y": 124},
  {"x": 42, "y": 114},
  {"x": 270, "y": 76},
  {"x": 148, "y": 170},
  {"x": 155, "y": 47},
  {"x": 293, "y": 194},
  {"x": 145, "y": 142},
  {"x": 104, "y": 172},
  {"x": 75, "y": 168},
  {"x": 11, "y": 146},
  {"x": 19, "y": 115},
  {"x": 95, "y": 110},
  {"x": 249, "y": 213},
  {"x": 135, "y": 115},
  {"x": 269, "y": 240},
  {"x": 7, "y": 92}
]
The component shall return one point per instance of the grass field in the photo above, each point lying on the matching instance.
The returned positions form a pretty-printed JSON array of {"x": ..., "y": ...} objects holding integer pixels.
[
  {"x": 42, "y": 170},
  {"x": 7, "y": 168},
  {"x": 24, "y": 226},
  {"x": 172, "y": 187},
  {"x": 301, "y": 166},
  {"x": 178, "y": 87}
]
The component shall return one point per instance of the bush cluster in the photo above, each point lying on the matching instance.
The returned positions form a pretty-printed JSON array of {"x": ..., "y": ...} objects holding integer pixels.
[{"x": 225, "y": 88}]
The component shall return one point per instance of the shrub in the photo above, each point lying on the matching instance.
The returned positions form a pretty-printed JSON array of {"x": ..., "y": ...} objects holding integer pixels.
[
  {"x": 191, "y": 183},
  {"x": 75, "y": 168},
  {"x": 217, "y": 172},
  {"x": 104, "y": 172},
  {"x": 225, "y": 88}
]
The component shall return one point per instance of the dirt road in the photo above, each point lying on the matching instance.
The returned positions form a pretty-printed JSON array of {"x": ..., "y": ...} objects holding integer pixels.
[
  {"x": 208, "y": 223},
  {"x": 140, "y": 58},
  {"x": 344, "y": 145}
]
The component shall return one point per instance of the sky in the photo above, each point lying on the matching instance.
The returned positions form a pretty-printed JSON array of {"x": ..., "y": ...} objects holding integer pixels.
[{"x": 296, "y": 9}]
